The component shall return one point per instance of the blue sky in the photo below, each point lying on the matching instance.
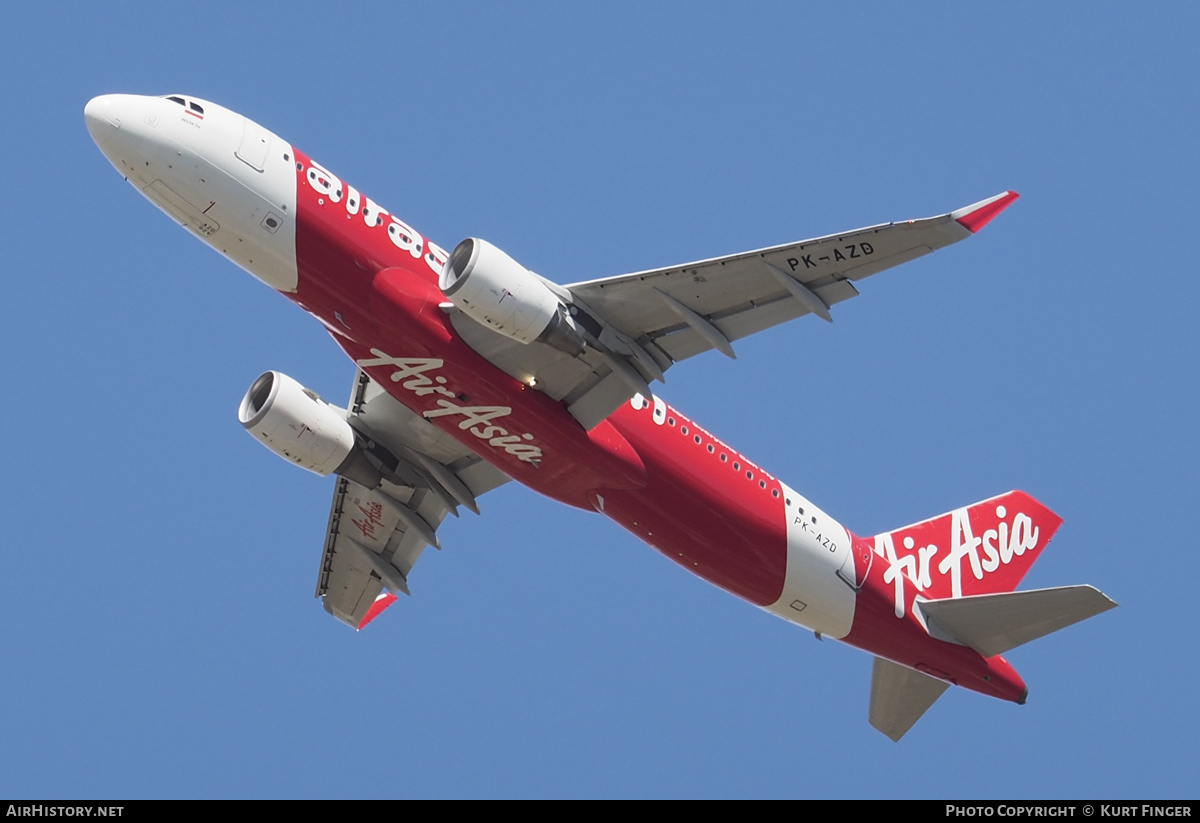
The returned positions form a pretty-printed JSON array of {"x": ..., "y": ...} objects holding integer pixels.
[{"x": 159, "y": 634}]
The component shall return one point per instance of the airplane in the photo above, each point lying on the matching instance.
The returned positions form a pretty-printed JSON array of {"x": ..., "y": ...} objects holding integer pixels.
[{"x": 471, "y": 371}]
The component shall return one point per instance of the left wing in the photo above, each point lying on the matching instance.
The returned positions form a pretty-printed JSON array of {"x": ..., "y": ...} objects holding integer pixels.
[
  {"x": 680, "y": 311},
  {"x": 375, "y": 536},
  {"x": 638, "y": 325}
]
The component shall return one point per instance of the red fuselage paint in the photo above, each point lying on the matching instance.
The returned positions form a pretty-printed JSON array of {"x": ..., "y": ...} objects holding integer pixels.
[{"x": 714, "y": 512}]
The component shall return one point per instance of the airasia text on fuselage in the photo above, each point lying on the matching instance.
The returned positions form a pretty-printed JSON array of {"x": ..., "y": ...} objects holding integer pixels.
[
  {"x": 415, "y": 374},
  {"x": 329, "y": 187}
]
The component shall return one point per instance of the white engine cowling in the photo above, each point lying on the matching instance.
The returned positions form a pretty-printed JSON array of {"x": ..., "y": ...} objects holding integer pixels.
[
  {"x": 497, "y": 291},
  {"x": 293, "y": 422}
]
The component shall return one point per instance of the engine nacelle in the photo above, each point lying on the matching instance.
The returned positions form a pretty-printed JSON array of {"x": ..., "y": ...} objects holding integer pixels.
[
  {"x": 497, "y": 291},
  {"x": 300, "y": 427}
]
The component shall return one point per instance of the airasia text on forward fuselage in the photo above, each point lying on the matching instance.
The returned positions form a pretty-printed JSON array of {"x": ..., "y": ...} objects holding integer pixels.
[{"x": 327, "y": 186}]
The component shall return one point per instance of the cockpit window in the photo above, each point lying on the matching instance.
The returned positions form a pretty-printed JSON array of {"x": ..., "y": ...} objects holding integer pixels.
[
  {"x": 178, "y": 100},
  {"x": 196, "y": 108}
]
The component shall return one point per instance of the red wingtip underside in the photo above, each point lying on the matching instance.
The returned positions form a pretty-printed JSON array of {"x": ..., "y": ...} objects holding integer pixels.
[
  {"x": 977, "y": 216},
  {"x": 384, "y": 600}
]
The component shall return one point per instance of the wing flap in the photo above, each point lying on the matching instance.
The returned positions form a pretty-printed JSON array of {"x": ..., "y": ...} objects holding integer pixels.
[{"x": 682, "y": 342}]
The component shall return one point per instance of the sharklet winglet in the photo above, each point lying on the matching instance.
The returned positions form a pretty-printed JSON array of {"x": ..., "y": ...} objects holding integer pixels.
[{"x": 977, "y": 215}]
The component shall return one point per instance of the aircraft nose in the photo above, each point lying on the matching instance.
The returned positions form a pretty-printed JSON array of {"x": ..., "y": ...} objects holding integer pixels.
[{"x": 102, "y": 115}]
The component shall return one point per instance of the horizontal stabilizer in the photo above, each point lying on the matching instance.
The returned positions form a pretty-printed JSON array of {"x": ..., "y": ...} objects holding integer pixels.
[
  {"x": 899, "y": 696},
  {"x": 992, "y": 624}
]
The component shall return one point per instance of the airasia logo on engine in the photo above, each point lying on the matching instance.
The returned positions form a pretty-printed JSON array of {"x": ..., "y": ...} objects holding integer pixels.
[
  {"x": 928, "y": 567},
  {"x": 419, "y": 376}
]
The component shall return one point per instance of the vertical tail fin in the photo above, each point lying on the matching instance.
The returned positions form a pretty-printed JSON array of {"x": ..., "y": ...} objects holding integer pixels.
[{"x": 983, "y": 548}]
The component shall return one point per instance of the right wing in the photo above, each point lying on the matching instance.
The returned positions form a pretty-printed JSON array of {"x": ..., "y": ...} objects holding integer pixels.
[{"x": 375, "y": 536}]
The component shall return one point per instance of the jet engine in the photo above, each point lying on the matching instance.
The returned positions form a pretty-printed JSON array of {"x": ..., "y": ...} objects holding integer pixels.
[
  {"x": 300, "y": 427},
  {"x": 497, "y": 291}
]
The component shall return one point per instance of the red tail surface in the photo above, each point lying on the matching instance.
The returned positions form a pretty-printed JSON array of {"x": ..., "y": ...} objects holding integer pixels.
[{"x": 983, "y": 548}]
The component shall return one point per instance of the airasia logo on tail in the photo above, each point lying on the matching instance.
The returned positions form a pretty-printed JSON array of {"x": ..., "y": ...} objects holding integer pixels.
[
  {"x": 1000, "y": 545},
  {"x": 978, "y": 549}
]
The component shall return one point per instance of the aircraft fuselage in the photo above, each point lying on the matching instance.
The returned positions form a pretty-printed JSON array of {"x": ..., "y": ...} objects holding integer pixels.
[{"x": 372, "y": 281}]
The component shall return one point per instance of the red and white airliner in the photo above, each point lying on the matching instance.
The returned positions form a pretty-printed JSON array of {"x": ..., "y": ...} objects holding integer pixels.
[{"x": 472, "y": 370}]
